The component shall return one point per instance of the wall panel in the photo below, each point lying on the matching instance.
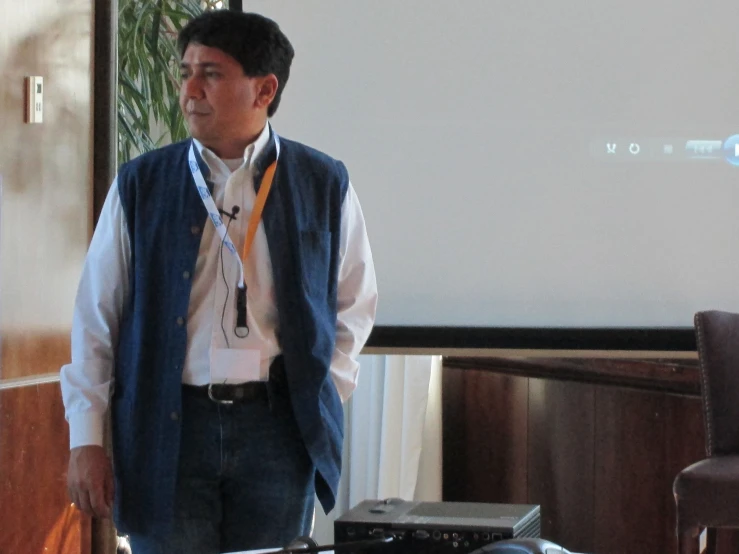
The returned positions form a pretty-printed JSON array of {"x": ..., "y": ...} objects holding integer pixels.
[
  {"x": 596, "y": 443},
  {"x": 35, "y": 512},
  {"x": 45, "y": 223}
]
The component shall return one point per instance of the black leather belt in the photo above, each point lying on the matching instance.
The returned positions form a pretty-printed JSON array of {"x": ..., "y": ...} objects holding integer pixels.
[
  {"x": 245, "y": 392},
  {"x": 229, "y": 394}
]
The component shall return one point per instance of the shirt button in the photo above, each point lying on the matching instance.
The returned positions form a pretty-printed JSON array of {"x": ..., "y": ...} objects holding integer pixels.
[
  {"x": 174, "y": 416},
  {"x": 180, "y": 321},
  {"x": 194, "y": 229},
  {"x": 185, "y": 274}
]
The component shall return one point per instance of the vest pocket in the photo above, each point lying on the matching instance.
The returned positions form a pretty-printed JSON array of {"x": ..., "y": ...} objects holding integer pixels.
[{"x": 316, "y": 257}]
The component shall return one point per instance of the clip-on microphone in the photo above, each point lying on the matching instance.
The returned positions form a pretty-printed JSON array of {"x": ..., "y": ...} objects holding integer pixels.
[{"x": 234, "y": 211}]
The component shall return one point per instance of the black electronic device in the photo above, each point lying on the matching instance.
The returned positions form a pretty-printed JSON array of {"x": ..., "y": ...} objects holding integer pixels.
[{"x": 436, "y": 527}]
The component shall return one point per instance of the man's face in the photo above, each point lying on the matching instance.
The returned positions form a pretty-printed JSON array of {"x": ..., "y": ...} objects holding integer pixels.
[{"x": 221, "y": 104}]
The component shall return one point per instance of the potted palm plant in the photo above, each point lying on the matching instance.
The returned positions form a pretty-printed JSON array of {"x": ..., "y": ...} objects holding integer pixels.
[{"x": 148, "y": 72}]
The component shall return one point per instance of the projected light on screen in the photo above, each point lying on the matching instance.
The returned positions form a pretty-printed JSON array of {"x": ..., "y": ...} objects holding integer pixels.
[
  {"x": 666, "y": 149},
  {"x": 477, "y": 135}
]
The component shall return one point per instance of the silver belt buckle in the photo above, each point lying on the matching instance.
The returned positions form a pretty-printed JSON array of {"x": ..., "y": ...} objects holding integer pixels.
[{"x": 217, "y": 400}]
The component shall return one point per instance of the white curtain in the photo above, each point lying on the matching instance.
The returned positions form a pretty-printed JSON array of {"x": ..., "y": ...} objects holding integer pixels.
[{"x": 392, "y": 435}]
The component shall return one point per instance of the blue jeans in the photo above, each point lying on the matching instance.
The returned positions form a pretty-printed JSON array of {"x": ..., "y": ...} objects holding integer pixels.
[{"x": 245, "y": 479}]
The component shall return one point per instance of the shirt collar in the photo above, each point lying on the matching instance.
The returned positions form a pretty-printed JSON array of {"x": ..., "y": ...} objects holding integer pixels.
[{"x": 251, "y": 152}]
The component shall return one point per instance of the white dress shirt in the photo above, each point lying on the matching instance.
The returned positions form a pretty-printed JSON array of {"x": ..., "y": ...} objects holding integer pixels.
[{"x": 104, "y": 288}]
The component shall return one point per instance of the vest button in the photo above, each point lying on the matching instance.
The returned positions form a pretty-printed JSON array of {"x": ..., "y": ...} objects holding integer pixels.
[
  {"x": 185, "y": 274},
  {"x": 180, "y": 321},
  {"x": 195, "y": 229},
  {"x": 174, "y": 416}
]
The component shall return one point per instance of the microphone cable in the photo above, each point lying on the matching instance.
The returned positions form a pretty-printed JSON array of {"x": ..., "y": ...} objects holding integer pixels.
[
  {"x": 231, "y": 217},
  {"x": 306, "y": 545}
]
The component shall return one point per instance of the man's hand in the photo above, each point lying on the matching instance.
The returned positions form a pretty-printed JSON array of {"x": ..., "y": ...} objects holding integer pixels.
[{"x": 90, "y": 480}]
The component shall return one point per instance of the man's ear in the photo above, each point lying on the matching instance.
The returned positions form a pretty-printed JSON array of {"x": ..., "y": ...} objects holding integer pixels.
[{"x": 266, "y": 90}]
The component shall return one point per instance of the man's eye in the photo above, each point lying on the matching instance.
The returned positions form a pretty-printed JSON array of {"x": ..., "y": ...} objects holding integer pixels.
[{"x": 212, "y": 74}]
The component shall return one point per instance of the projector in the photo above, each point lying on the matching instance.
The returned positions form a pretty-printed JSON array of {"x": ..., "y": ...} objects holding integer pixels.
[{"x": 435, "y": 527}]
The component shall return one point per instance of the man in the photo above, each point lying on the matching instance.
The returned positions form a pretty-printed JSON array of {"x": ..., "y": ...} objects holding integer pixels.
[{"x": 228, "y": 289}]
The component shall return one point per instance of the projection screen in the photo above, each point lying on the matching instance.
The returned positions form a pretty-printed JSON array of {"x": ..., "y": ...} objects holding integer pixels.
[{"x": 527, "y": 164}]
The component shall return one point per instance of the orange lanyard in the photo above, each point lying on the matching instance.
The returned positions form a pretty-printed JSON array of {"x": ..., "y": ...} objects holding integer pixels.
[{"x": 256, "y": 214}]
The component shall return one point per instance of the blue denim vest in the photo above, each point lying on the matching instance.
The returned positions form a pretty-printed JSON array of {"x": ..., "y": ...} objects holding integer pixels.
[{"x": 165, "y": 218}]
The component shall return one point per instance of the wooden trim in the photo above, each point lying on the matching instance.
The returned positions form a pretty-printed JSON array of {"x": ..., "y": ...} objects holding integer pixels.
[
  {"x": 670, "y": 376},
  {"x": 105, "y": 163},
  {"x": 105, "y": 85},
  {"x": 19, "y": 382}
]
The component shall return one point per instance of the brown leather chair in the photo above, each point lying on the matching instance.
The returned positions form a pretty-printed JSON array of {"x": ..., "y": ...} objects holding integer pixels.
[{"x": 707, "y": 492}]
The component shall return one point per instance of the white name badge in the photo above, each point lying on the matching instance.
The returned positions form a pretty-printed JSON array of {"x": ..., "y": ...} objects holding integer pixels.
[{"x": 232, "y": 366}]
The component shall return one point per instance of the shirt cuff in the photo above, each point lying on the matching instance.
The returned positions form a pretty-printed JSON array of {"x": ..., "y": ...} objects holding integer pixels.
[
  {"x": 86, "y": 429},
  {"x": 344, "y": 372}
]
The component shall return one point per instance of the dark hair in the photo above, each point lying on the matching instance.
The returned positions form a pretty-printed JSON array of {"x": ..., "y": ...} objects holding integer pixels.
[{"x": 255, "y": 41}]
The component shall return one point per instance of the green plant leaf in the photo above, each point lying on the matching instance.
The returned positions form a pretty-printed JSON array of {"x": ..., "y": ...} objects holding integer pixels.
[{"x": 148, "y": 72}]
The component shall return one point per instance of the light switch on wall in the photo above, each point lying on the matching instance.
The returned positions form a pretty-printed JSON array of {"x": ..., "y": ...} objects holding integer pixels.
[{"x": 34, "y": 99}]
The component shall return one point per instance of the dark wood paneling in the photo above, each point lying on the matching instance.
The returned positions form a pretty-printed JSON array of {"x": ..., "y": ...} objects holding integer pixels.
[
  {"x": 629, "y": 471},
  {"x": 561, "y": 460},
  {"x": 35, "y": 511},
  {"x": 600, "y": 456},
  {"x": 727, "y": 541},
  {"x": 487, "y": 437},
  {"x": 454, "y": 434},
  {"x": 683, "y": 419}
]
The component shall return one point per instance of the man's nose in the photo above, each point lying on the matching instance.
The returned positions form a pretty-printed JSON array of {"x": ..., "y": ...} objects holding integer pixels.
[{"x": 193, "y": 87}]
